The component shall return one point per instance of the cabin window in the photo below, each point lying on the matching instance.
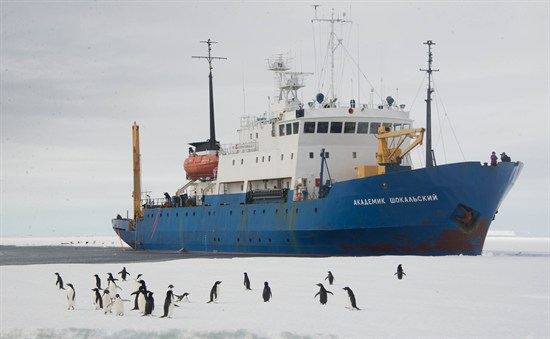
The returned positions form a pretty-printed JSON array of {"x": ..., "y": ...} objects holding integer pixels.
[
  {"x": 362, "y": 127},
  {"x": 336, "y": 127},
  {"x": 311, "y": 155},
  {"x": 291, "y": 156},
  {"x": 374, "y": 127},
  {"x": 281, "y": 130},
  {"x": 256, "y": 135},
  {"x": 268, "y": 158},
  {"x": 288, "y": 129},
  {"x": 354, "y": 155},
  {"x": 263, "y": 158},
  {"x": 250, "y": 136},
  {"x": 242, "y": 187},
  {"x": 349, "y": 127},
  {"x": 327, "y": 155},
  {"x": 295, "y": 127},
  {"x": 242, "y": 161},
  {"x": 256, "y": 159},
  {"x": 406, "y": 126},
  {"x": 322, "y": 127},
  {"x": 387, "y": 124},
  {"x": 397, "y": 127},
  {"x": 233, "y": 162},
  {"x": 309, "y": 127},
  {"x": 282, "y": 156}
]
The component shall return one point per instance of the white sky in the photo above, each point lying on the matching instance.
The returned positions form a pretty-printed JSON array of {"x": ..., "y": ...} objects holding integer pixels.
[{"x": 75, "y": 75}]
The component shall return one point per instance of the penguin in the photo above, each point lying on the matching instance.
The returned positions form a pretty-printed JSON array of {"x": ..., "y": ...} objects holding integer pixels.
[
  {"x": 119, "y": 305},
  {"x": 168, "y": 304},
  {"x": 246, "y": 281},
  {"x": 112, "y": 286},
  {"x": 110, "y": 277},
  {"x": 214, "y": 292},
  {"x": 330, "y": 278},
  {"x": 400, "y": 273},
  {"x": 149, "y": 304},
  {"x": 108, "y": 305},
  {"x": 266, "y": 294},
  {"x": 70, "y": 296},
  {"x": 59, "y": 281},
  {"x": 184, "y": 297},
  {"x": 124, "y": 273},
  {"x": 98, "y": 301},
  {"x": 97, "y": 282},
  {"x": 351, "y": 298},
  {"x": 136, "y": 293},
  {"x": 142, "y": 299},
  {"x": 322, "y": 294}
]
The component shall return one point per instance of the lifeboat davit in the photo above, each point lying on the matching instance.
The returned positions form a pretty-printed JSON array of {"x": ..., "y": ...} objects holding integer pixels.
[{"x": 201, "y": 166}]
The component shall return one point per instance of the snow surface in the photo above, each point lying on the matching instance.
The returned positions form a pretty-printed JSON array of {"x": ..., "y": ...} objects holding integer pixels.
[{"x": 502, "y": 294}]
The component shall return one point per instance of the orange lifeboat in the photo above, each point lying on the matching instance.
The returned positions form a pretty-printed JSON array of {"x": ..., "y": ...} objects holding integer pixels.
[{"x": 201, "y": 166}]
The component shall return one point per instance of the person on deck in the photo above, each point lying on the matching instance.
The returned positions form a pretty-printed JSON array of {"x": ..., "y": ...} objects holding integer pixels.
[
  {"x": 504, "y": 157},
  {"x": 494, "y": 159}
]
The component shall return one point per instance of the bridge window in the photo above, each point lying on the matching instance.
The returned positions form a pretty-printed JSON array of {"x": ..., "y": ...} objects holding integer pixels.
[
  {"x": 374, "y": 127},
  {"x": 349, "y": 127},
  {"x": 322, "y": 127},
  {"x": 309, "y": 127},
  {"x": 336, "y": 127},
  {"x": 311, "y": 155},
  {"x": 354, "y": 155},
  {"x": 281, "y": 129},
  {"x": 288, "y": 129},
  {"x": 387, "y": 124},
  {"x": 295, "y": 127},
  {"x": 362, "y": 127}
]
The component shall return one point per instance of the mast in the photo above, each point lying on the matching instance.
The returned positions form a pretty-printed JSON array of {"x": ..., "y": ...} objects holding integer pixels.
[
  {"x": 429, "y": 151},
  {"x": 212, "y": 141},
  {"x": 332, "y": 48},
  {"x": 138, "y": 213}
]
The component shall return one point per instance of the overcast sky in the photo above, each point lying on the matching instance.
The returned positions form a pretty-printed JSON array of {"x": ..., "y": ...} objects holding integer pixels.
[{"x": 75, "y": 75}]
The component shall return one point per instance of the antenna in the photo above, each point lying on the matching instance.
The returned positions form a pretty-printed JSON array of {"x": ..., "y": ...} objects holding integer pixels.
[
  {"x": 212, "y": 142},
  {"x": 429, "y": 152},
  {"x": 332, "y": 48}
]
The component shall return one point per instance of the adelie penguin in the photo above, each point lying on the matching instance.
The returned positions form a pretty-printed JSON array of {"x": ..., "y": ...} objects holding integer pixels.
[
  {"x": 70, "y": 296},
  {"x": 124, "y": 273},
  {"x": 119, "y": 305},
  {"x": 323, "y": 298},
  {"x": 184, "y": 297},
  {"x": 400, "y": 273},
  {"x": 98, "y": 301},
  {"x": 215, "y": 292},
  {"x": 149, "y": 304},
  {"x": 266, "y": 294},
  {"x": 97, "y": 282},
  {"x": 59, "y": 281},
  {"x": 330, "y": 278},
  {"x": 351, "y": 298},
  {"x": 168, "y": 304},
  {"x": 246, "y": 281},
  {"x": 107, "y": 302}
]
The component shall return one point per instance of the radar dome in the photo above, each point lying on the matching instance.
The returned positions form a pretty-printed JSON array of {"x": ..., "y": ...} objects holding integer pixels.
[{"x": 320, "y": 98}]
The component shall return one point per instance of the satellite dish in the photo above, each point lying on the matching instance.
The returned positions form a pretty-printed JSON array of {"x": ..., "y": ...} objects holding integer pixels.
[
  {"x": 389, "y": 100},
  {"x": 320, "y": 97}
]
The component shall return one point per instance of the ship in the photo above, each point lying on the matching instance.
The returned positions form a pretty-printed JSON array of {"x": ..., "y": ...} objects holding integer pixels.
[{"x": 322, "y": 178}]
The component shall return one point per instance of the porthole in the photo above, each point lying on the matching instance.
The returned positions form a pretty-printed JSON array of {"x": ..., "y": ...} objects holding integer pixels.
[{"x": 384, "y": 185}]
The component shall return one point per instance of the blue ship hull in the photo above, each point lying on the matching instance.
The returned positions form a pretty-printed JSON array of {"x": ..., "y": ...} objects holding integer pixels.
[{"x": 442, "y": 210}]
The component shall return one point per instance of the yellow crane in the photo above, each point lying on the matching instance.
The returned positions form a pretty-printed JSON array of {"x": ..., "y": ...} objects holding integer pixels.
[
  {"x": 392, "y": 153},
  {"x": 389, "y": 151}
]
